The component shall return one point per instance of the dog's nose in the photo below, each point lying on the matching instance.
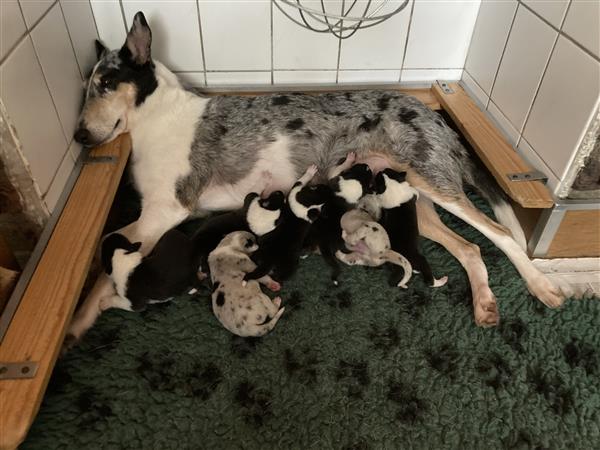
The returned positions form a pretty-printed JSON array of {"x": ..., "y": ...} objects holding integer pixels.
[{"x": 83, "y": 136}]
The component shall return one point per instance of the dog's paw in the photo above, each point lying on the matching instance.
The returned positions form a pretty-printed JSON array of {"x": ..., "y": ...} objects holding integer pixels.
[
  {"x": 486, "y": 310},
  {"x": 312, "y": 170},
  {"x": 274, "y": 286},
  {"x": 201, "y": 275},
  {"x": 546, "y": 291},
  {"x": 350, "y": 158},
  {"x": 277, "y": 301},
  {"x": 244, "y": 282}
]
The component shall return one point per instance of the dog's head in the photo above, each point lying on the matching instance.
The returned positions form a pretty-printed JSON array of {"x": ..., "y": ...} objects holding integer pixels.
[
  {"x": 308, "y": 202},
  {"x": 242, "y": 241},
  {"x": 113, "y": 243},
  {"x": 264, "y": 214},
  {"x": 120, "y": 82},
  {"x": 353, "y": 183},
  {"x": 392, "y": 189}
]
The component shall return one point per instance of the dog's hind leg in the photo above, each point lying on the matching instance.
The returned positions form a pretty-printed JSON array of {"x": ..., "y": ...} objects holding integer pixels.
[
  {"x": 537, "y": 283},
  {"x": 484, "y": 301}
]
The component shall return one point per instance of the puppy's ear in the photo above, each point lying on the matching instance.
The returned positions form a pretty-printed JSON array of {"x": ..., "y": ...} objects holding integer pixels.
[
  {"x": 134, "y": 247},
  {"x": 139, "y": 40},
  {"x": 101, "y": 50},
  {"x": 379, "y": 185},
  {"x": 248, "y": 199},
  {"x": 313, "y": 214}
]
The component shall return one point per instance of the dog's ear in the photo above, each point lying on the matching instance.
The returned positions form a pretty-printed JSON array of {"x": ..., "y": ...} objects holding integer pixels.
[
  {"x": 134, "y": 247},
  {"x": 139, "y": 40},
  {"x": 248, "y": 199},
  {"x": 379, "y": 185},
  {"x": 101, "y": 50}
]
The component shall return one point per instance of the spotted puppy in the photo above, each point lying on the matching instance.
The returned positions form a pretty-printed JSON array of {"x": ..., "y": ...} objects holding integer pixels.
[
  {"x": 397, "y": 200},
  {"x": 243, "y": 310},
  {"x": 369, "y": 244}
]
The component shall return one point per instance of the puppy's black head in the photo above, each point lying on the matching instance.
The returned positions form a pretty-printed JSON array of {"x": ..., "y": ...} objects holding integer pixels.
[
  {"x": 380, "y": 183},
  {"x": 312, "y": 199},
  {"x": 359, "y": 172},
  {"x": 273, "y": 202},
  {"x": 400, "y": 177},
  {"x": 112, "y": 243}
]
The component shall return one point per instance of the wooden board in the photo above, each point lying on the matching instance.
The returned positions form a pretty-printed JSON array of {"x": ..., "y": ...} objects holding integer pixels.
[
  {"x": 497, "y": 154},
  {"x": 38, "y": 327},
  {"x": 423, "y": 94},
  {"x": 578, "y": 235}
]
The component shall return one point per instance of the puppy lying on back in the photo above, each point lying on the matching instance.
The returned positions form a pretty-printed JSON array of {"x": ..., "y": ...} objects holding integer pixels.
[
  {"x": 279, "y": 250},
  {"x": 257, "y": 215},
  {"x": 168, "y": 271},
  {"x": 243, "y": 310},
  {"x": 397, "y": 200},
  {"x": 347, "y": 187},
  {"x": 369, "y": 244}
]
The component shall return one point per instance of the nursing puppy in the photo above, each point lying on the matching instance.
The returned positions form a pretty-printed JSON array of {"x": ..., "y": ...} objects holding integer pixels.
[
  {"x": 369, "y": 244},
  {"x": 279, "y": 250},
  {"x": 257, "y": 215},
  {"x": 346, "y": 190},
  {"x": 397, "y": 200},
  {"x": 168, "y": 271},
  {"x": 243, "y": 310}
]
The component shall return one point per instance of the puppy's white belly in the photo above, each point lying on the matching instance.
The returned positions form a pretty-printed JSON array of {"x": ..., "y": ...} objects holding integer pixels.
[{"x": 274, "y": 159}]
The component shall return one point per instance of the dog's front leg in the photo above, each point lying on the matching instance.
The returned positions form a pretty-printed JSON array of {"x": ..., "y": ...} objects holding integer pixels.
[{"x": 154, "y": 221}]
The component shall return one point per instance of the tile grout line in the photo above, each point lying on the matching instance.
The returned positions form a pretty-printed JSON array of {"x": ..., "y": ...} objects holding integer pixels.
[
  {"x": 471, "y": 42},
  {"x": 478, "y": 85},
  {"x": 539, "y": 84},
  {"x": 94, "y": 19},
  {"x": 410, "y": 18},
  {"x": 272, "y": 71},
  {"x": 62, "y": 128},
  {"x": 27, "y": 30},
  {"x": 201, "y": 42},
  {"x": 70, "y": 40},
  {"x": 339, "y": 49},
  {"x": 123, "y": 16},
  {"x": 512, "y": 23}
]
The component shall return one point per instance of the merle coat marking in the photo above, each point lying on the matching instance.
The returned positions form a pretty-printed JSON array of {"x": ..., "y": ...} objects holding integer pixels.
[{"x": 192, "y": 152}]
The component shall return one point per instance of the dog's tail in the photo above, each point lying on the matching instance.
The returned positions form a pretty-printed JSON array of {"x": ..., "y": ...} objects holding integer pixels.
[
  {"x": 482, "y": 181},
  {"x": 257, "y": 330},
  {"x": 396, "y": 258}
]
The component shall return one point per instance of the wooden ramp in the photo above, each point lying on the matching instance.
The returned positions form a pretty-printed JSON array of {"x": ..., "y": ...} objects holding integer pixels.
[
  {"x": 39, "y": 324},
  {"x": 491, "y": 147}
]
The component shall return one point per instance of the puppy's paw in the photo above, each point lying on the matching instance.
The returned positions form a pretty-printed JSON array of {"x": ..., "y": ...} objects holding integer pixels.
[
  {"x": 277, "y": 301},
  {"x": 350, "y": 158},
  {"x": 274, "y": 286},
  {"x": 244, "y": 282},
  {"x": 312, "y": 170},
  {"x": 201, "y": 275}
]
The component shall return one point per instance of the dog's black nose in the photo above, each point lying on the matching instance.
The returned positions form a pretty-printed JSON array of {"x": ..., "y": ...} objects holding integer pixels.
[{"x": 83, "y": 136}]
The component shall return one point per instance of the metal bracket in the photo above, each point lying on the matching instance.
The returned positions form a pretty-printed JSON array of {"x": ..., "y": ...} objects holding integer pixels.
[
  {"x": 445, "y": 87},
  {"x": 16, "y": 370},
  {"x": 534, "y": 175},
  {"x": 99, "y": 159}
]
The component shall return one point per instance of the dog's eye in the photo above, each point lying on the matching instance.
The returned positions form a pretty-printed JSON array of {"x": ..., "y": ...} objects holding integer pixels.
[{"x": 106, "y": 84}]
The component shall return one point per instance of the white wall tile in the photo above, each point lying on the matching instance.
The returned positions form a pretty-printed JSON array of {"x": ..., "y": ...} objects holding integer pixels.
[
  {"x": 60, "y": 180},
  {"x": 369, "y": 76},
  {"x": 527, "y": 152},
  {"x": 569, "y": 93},
  {"x": 236, "y": 35},
  {"x": 109, "y": 21},
  {"x": 82, "y": 29},
  {"x": 304, "y": 77},
  {"x": 527, "y": 52},
  {"x": 430, "y": 75},
  {"x": 583, "y": 24},
  {"x": 175, "y": 31},
  {"x": 551, "y": 10},
  {"x": 379, "y": 47},
  {"x": 440, "y": 33},
  {"x": 504, "y": 125},
  {"x": 489, "y": 38},
  {"x": 295, "y": 47},
  {"x": 12, "y": 26},
  {"x": 474, "y": 91},
  {"x": 192, "y": 79},
  {"x": 237, "y": 78},
  {"x": 29, "y": 106},
  {"x": 34, "y": 9},
  {"x": 59, "y": 65}
]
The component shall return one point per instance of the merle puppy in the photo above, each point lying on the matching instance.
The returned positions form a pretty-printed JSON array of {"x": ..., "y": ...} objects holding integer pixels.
[
  {"x": 168, "y": 271},
  {"x": 279, "y": 250},
  {"x": 346, "y": 189},
  {"x": 397, "y": 200}
]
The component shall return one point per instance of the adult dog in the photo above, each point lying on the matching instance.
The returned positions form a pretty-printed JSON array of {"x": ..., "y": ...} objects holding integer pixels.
[{"x": 193, "y": 153}]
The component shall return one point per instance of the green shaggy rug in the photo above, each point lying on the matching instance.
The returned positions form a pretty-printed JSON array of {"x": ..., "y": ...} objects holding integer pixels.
[{"x": 361, "y": 366}]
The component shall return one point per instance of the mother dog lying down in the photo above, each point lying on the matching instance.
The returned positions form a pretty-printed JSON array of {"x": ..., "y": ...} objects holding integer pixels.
[{"x": 192, "y": 153}]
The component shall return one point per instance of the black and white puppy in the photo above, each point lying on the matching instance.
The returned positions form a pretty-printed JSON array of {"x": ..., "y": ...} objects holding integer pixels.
[
  {"x": 168, "y": 271},
  {"x": 257, "y": 215},
  {"x": 279, "y": 250},
  {"x": 397, "y": 200},
  {"x": 346, "y": 189}
]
